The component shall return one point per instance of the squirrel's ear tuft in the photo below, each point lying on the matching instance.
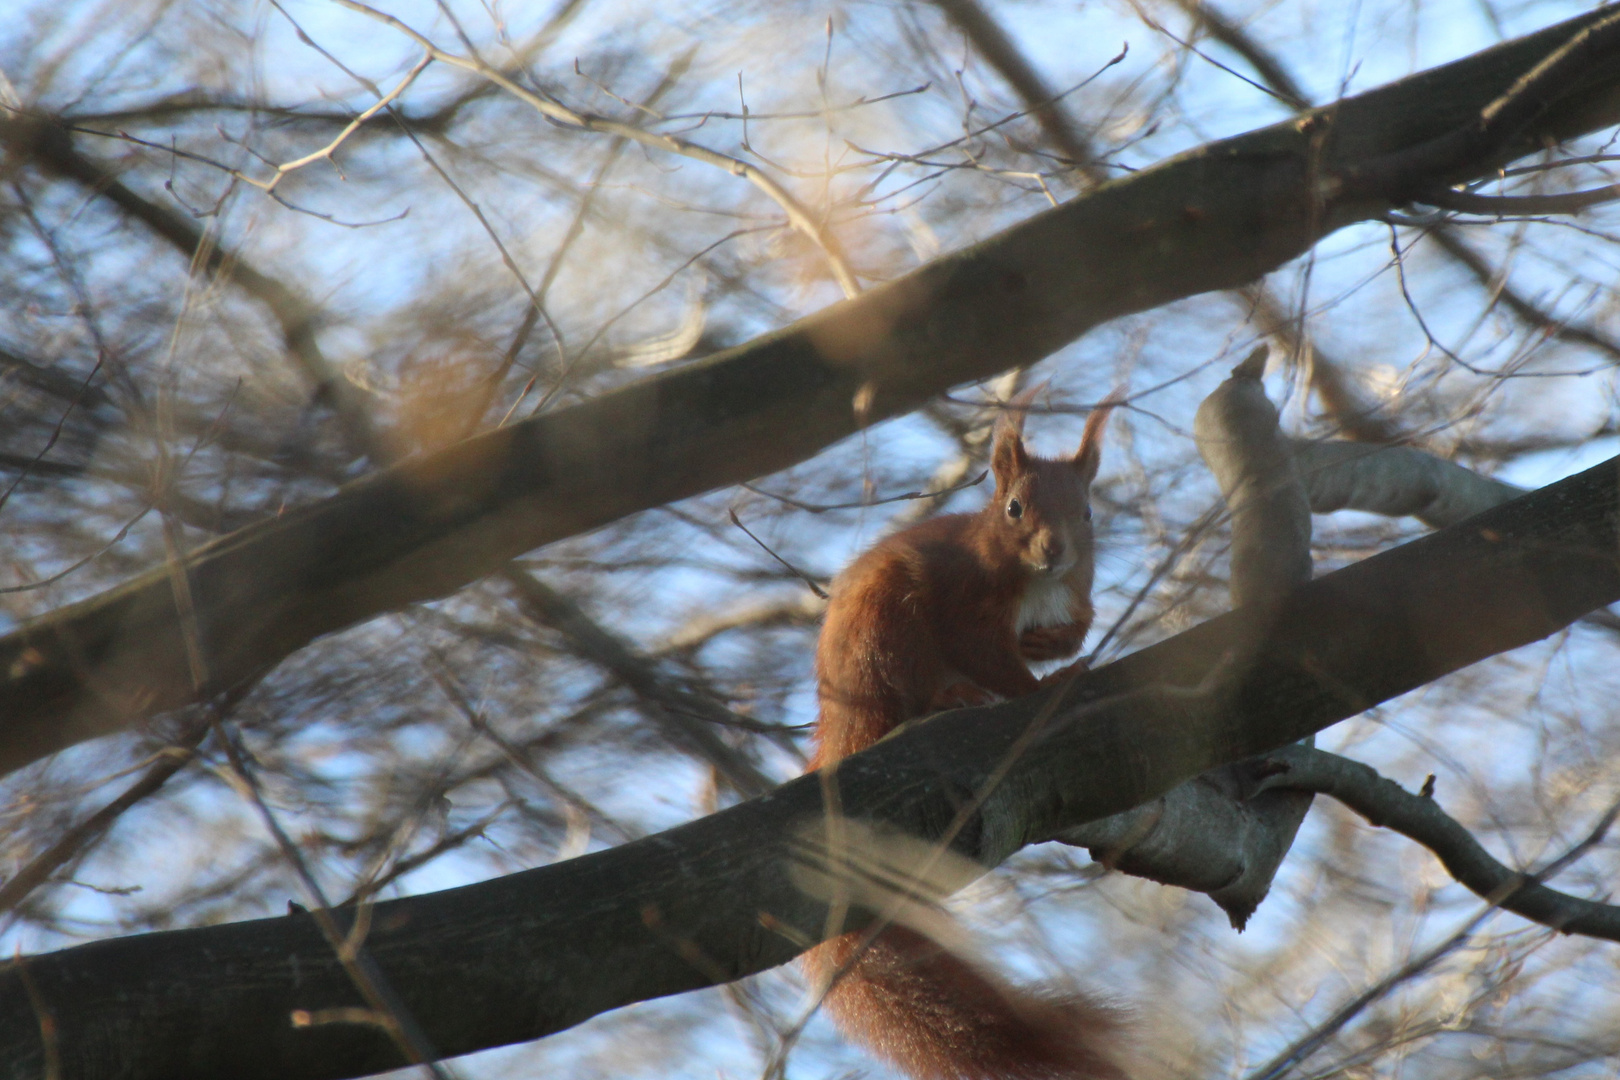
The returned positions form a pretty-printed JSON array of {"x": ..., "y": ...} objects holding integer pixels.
[
  {"x": 1087, "y": 459},
  {"x": 1008, "y": 457}
]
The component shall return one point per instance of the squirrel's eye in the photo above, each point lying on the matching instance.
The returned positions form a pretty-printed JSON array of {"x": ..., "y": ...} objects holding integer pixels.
[
  {"x": 1015, "y": 509},
  {"x": 1088, "y": 513}
]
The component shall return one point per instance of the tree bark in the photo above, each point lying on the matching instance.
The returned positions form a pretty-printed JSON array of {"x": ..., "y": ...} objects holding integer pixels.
[
  {"x": 1216, "y": 217},
  {"x": 536, "y": 952}
]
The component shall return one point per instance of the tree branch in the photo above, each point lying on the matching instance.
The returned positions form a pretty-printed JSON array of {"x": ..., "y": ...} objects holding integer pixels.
[
  {"x": 1499, "y": 131},
  {"x": 1213, "y": 218},
  {"x": 991, "y": 42},
  {"x": 1570, "y": 202},
  {"x": 1394, "y": 481},
  {"x": 1319, "y": 1035},
  {"x": 535, "y": 952},
  {"x": 1418, "y": 817}
]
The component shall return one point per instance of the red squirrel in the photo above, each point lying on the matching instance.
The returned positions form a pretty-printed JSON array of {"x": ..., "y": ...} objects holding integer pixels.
[{"x": 960, "y": 599}]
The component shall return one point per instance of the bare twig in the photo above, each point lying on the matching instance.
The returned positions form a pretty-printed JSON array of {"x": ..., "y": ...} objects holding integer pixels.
[
  {"x": 1336, "y": 392},
  {"x": 807, "y": 114},
  {"x": 1572, "y": 202},
  {"x": 798, "y": 215},
  {"x": 814, "y": 586},
  {"x": 73, "y": 840},
  {"x": 50, "y": 144},
  {"x": 286, "y": 168},
  {"x": 1222, "y": 29},
  {"x": 448, "y": 842},
  {"x": 457, "y": 694},
  {"x": 690, "y": 718},
  {"x": 1292, "y": 100},
  {"x": 992, "y": 42},
  {"x": 1335, "y": 389},
  {"x": 823, "y": 508},
  {"x": 1491, "y": 279}
]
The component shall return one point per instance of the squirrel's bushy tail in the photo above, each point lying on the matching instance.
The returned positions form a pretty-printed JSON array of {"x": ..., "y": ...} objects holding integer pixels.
[{"x": 937, "y": 1017}]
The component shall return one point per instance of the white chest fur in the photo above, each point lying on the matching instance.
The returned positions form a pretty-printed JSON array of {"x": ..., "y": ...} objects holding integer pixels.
[{"x": 1046, "y": 603}]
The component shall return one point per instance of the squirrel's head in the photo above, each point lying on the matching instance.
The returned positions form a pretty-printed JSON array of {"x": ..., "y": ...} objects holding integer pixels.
[{"x": 1043, "y": 505}]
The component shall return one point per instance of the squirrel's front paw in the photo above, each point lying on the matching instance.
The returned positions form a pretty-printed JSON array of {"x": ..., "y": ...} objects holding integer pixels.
[
  {"x": 961, "y": 695},
  {"x": 1051, "y": 642}
]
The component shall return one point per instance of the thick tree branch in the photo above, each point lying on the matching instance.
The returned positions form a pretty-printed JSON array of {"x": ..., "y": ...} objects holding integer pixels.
[
  {"x": 1395, "y": 481},
  {"x": 1411, "y": 171},
  {"x": 535, "y": 952},
  {"x": 1213, "y": 218},
  {"x": 1336, "y": 390},
  {"x": 1237, "y": 436},
  {"x": 1236, "y": 431},
  {"x": 297, "y": 315}
]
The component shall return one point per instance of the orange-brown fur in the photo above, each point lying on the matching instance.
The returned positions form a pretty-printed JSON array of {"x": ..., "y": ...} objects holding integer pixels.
[{"x": 948, "y": 612}]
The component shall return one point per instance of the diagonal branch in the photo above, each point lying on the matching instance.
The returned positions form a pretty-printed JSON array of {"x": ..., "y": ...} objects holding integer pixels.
[
  {"x": 1418, "y": 817},
  {"x": 991, "y": 42},
  {"x": 73, "y": 841},
  {"x": 1498, "y": 132},
  {"x": 1215, "y": 217},
  {"x": 1570, "y": 202},
  {"x": 539, "y": 951}
]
